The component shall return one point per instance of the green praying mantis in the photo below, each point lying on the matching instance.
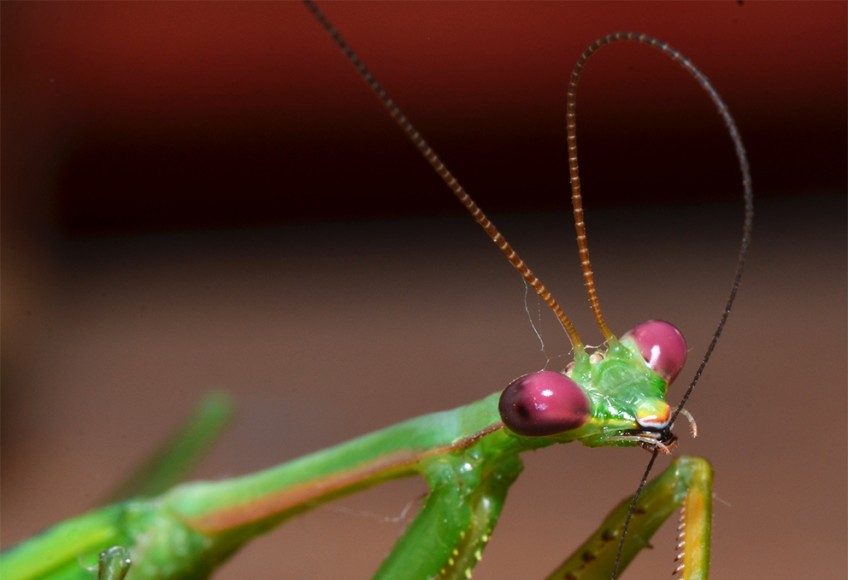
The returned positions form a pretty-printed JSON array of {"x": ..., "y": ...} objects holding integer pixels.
[{"x": 468, "y": 456}]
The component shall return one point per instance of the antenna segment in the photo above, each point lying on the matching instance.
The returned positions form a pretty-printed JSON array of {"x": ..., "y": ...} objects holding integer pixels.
[
  {"x": 744, "y": 170},
  {"x": 439, "y": 167},
  {"x": 577, "y": 198},
  {"x": 747, "y": 222}
]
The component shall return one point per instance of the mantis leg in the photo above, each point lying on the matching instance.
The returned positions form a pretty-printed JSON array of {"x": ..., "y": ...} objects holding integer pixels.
[
  {"x": 178, "y": 456},
  {"x": 447, "y": 538},
  {"x": 114, "y": 563},
  {"x": 686, "y": 484}
]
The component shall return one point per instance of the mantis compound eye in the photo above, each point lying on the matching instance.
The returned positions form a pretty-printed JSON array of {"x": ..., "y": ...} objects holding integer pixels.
[
  {"x": 543, "y": 403},
  {"x": 662, "y": 346}
]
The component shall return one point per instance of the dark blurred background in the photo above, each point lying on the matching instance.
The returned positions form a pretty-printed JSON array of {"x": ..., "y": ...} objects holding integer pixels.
[{"x": 201, "y": 196}]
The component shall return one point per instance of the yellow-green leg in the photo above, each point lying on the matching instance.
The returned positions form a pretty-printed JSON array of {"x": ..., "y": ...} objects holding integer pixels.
[
  {"x": 448, "y": 536},
  {"x": 113, "y": 563},
  {"x": 687, "y": 485}
]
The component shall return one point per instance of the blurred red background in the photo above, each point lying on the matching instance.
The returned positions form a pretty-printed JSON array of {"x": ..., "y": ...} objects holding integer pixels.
[
  {"x": 167, "y": 115},
  {"x": 194, "y": 196}
]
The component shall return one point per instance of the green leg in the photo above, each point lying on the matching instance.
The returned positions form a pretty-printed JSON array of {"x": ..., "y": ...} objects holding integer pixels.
[
  {"x": 686, "y": 484},
  {"x": 178, "y": 456},
  {"x": 448, "y": 536},
  {"x": 114, "y": 563}
]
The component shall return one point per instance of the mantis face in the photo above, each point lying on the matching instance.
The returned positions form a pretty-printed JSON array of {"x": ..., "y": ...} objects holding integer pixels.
[{"x": 613, "y": 397}]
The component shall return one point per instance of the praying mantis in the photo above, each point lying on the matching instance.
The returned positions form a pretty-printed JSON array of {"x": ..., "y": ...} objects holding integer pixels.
[{"x": 468, "y": 456}]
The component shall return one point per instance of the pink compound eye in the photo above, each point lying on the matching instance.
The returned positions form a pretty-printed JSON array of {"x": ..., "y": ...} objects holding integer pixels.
[
  {"x": 543, "y": 403},
  {"x": 662, "y": 346}
]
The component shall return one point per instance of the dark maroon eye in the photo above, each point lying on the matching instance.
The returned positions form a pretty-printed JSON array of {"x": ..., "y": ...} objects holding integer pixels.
[
  {"x": 543, "y": 403},
  {"x": 662, "y": 346}
]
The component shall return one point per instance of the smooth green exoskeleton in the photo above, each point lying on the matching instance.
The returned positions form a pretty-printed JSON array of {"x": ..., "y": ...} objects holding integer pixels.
[{"x": 468, "y": 456}]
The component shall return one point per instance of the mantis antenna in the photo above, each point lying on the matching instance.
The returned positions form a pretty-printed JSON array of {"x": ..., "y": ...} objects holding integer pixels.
[
  {"x": 576, "y": 200},
  {"x": 427, "y": 152},
  {"x": 576, "y": 195},
  {"x": 747, "y": 224}
]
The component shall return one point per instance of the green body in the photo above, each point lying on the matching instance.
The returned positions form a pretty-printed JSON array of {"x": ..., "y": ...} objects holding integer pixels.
[{"x": 466, "y": 455}]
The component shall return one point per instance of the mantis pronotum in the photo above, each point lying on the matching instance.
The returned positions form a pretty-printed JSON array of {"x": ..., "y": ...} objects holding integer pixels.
[{"x": 469, "y": 456}]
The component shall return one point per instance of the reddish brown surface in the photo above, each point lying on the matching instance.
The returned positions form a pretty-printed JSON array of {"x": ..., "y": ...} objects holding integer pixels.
[
  {"x": 128, "y": 117},
  {"x": 166, "y": 115}
]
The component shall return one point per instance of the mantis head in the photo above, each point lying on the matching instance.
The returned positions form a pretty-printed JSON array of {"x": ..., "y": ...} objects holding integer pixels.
[{"x": 618, "y": 395}]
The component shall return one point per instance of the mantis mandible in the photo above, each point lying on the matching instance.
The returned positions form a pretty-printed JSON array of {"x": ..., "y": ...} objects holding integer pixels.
[{"x": 468, "y": 456}]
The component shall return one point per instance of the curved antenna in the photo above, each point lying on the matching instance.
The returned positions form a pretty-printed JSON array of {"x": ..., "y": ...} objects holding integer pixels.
[
  {"x": 427, "y": 152},
  {"x": 747, "y": 223},
  {"x": 576, "y": 196},
  {"x": 744, "y": 170}
]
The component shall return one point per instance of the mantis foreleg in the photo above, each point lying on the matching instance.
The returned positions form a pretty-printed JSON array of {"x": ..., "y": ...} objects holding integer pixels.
[
  {"x": 686, "y": 484},
  {"x": 467, "y": 493},
  {"x": 114, "y": 564}
]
